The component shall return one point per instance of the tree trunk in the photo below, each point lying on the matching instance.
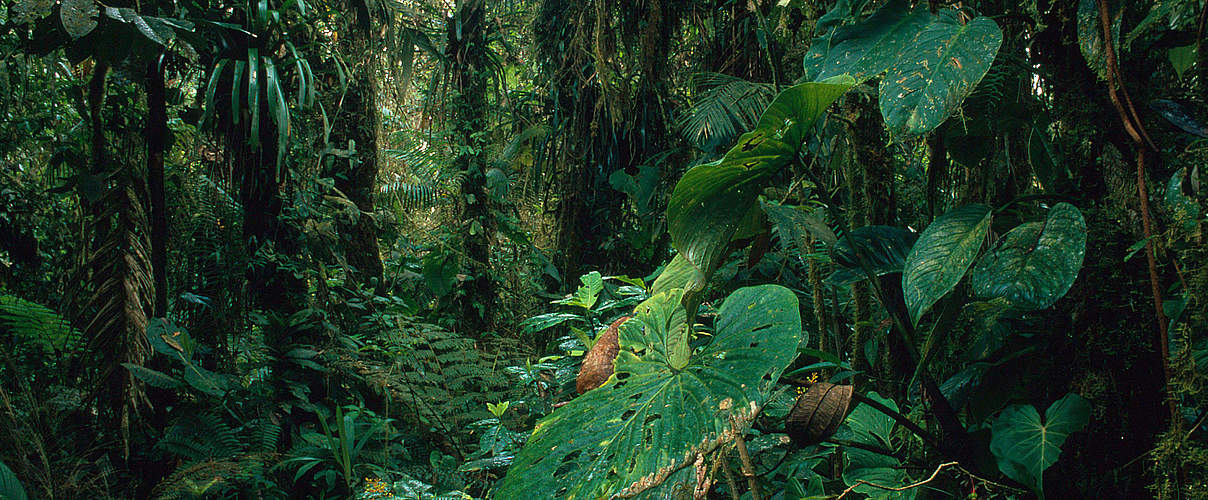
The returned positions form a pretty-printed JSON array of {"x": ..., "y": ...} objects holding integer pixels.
[
  {"x": 468, "y": 72},
  {"x": 356, "y": 124},
  {"x": 156, "y": 134}
]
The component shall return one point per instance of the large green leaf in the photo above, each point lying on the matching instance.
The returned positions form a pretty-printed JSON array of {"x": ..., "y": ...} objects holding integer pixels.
[
  {"x": 153, "y": 378},
  {"x": 1090, "y": 34},
  {"x": 883, "y": 249},
  {"x": 679, "y": 273},
  {"x": 650, "y": 420},
  {"x": 10, "y": 486},
  {"x": 1026, "y": 446},
  {"x": 936, "y": 72},
  {"x": 871, "y": 427},
  {"x": 1034, "y": 264},
  {"x": 941, "y": 256},
  {"x": 710, "y": 201},
  {"x": 79, "y": 17},
  {"x": 866, "y": 49}
]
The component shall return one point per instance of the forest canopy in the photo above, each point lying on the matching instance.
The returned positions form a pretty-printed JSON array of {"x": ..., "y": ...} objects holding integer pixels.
[{"x": 531, "y": 249}]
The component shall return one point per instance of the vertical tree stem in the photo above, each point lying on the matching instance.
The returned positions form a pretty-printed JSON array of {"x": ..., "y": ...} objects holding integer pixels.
[{"x": 1115, "y": 87}]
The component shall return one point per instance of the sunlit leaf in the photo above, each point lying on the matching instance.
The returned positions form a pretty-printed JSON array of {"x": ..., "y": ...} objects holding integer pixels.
[
  {"x": 710, "y": 201},
  {"x": 936, "y": 72}
]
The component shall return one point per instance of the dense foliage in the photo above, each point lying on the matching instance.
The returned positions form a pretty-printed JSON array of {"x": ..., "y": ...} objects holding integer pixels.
[{"x": 836, "y": 249}]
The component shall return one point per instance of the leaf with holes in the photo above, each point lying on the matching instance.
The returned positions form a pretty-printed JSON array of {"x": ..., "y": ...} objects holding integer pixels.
[
  {"x": 866, "y": 49},
  {"x": 651, "y": 420},
  {"x": 883, "y": 249},
  {"x": 936, "y": 72},
  {"x": 1036, "y": 263},
  {"x": 941, "y": 256},
  {"x": 1026, "y": 446},
  {"x": 711, "y": 200}
]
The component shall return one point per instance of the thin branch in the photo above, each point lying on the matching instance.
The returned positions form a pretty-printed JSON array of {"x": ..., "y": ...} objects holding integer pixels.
[
  {"x": 748, "y": 469},
  {"x": 934, "y": 474},
  {"x": 1136, "y": 131}
]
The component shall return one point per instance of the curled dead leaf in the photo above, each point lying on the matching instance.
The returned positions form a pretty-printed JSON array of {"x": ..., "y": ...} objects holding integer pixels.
[{"x": 818, "y": 413}]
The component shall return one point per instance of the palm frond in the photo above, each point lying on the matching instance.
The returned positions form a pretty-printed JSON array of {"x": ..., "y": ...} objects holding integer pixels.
[
  {"x": 37, "y": 325},
  {"x": 724, "y": 107}
]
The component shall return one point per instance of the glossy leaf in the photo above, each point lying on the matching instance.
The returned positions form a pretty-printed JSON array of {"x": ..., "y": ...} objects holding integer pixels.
[
  {"x": 650, "y": 420},
  {"x": 941, "y": 256},
  {"x": 868, "y": 48},
  {"x": 1090, "y": 34},
  {"x": 1178, "y": 115},
  {"x": 936, "y": 72},
  {"x": 1036, "y": 263},
  {"x": 679, "y": 273},
  {"x": 710, "y": 201},
  {"x": 586, "y": 295},
  {"x": 1025, "y": 445},
  {"x": 882, "y": 248}
]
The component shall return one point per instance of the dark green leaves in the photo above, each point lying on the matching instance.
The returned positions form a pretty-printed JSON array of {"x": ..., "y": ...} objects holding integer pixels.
[
  {"x": 1090, "y": 35},
  {"x": 711, "y": 200},
  {"x": 941, "y": 256},
  {"x": 871, "y": 427},
  {"x": 650, "y": 420},
  {"x": 936, "y": 72},
  {"x": 868, "y": 48},
  {"x": 1034, "y": 264},
  {"x": 1026, "y": 446},
  {"x": 10, "y": 486},
  {"x": 880, "y": 250},
  {"x": 932, "y": 61}
]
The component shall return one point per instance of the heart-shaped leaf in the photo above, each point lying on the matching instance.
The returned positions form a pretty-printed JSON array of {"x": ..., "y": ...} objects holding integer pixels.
[
  {"x": 650, "y": 419},
  {"x": 1036, "y": 263},
  {"x": 79, "y": 17},
  {"x": 882, "y": 248},
  {"x": 1026, "y": 446},
  {"x": 936, "y": 72},
  {"x": 871, "y": 427},
  {"x": 941, "y": 256},
  {"x": 867, "y": 48}
]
